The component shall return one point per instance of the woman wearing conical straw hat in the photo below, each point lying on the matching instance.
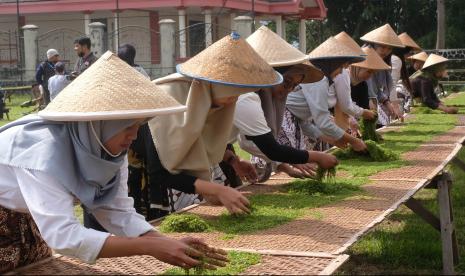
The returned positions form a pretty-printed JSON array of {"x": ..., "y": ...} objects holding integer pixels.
[
  {"x": 345, "y": 110},
  {"x": 209, "y": 84},
  {"x": 258, "y": 116},
  {"x": 383, "y": 40},
  {"x": 362, "y": 71},
  {"x": 309, "y": 102},
  {"x": 417, "y": 61},
  {"x": 76, "y": 148},
  {"x": 401, "y": 89},
  {"x": 427, "y": 80}
]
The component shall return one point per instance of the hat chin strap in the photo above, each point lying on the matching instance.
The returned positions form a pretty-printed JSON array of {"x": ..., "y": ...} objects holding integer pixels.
[{"x": 101, "y": 144}]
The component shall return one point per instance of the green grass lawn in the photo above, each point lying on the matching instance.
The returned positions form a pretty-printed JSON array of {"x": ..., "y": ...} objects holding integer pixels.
[{"x": 16, "y": 111}]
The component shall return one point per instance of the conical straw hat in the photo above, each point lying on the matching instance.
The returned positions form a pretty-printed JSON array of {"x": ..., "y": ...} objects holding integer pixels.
[
  {"x": 277, "y": 52},
  {"x": 231, "y": 61},
  {"x": 421, "y": 56},
  {"x": 433, "y": 59},
  {"x": 110, "y": 90},
  {"x": 408, "y": 41},
  {"x": 373, "y": 61},
  {"x": 343, "y": 37},
  {"x": 384, "y": 35},
  {"x": 333, "y": 49}
]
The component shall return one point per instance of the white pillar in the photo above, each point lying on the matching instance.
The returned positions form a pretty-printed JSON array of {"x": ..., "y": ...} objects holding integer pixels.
[
  {"x": 115, "y": 31},
  {"x": 167, "y": 46},
  {"x": 96, "y": 38},
  {"x": 302, "y": 36},
  {"x": 208, "y": 27},
  {"x": 279, "y": 25},
  {"x": 182, "y": 33},
  {"x": 231, "y": 19},
  {"x": 86, "y": 23},
  {"x": 243, "y": 25},
  {"x": 284, "y": 30},
  {"x": 30, "y": 33}
]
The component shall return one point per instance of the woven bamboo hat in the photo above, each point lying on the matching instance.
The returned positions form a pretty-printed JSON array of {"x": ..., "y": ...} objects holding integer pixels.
[
  {"x": 421, "y": 56},
  {"x": 433, "y": 59},
  {"x": 373, "y": 61},
  {"x": 110, "y": 90},
  {"x": 277, "y": 52},
  {"x": 333, "y": 49},
  {"x": 343, "y": 37},
  {"x": 384, "y": 35},
  {"x": 409, "y": 42},
  {"x": 231, "y": 61}
]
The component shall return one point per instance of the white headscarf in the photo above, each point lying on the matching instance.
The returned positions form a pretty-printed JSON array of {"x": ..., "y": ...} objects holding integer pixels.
[{"x": 193, "y": 141}]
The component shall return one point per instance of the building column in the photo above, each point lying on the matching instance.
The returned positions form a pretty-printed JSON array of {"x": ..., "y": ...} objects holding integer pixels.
[
  {"x": 303, "y": 36},
  {"x": 87, "y": 22},
  {"x": 279, "y": 25},
  {"x": 231, "y": 19},
  {"x": 208, "y": 27},
  {"x": 115, "y": 31},
  {"x": 30, "y": 33},
  {"x": 243, "y": 25},
  {"x": 167, "y": 46},
  {"x": 284, "y": 34},
  {"x": 96, "y": 38},
  {"x": 182, "y": 33}
]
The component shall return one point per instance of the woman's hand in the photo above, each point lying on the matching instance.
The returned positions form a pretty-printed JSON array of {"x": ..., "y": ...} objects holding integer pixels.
[
  {"x": 292, "y": 171},
  {"x": 368, "y": 114},
  {"x": 324, "y": 160},
  {"x": 218, "y": 194},
  {"x": 245, "y": 169},
  {"x": 358, "y": 145}
]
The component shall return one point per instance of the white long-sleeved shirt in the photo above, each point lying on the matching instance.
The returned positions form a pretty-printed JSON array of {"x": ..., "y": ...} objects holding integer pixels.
[
  {"x": 339, "y": 92},
  {"x": 52, "y": 209},
  {"x": 396, "y": 64},
  {"x": 309, "y": 102}
]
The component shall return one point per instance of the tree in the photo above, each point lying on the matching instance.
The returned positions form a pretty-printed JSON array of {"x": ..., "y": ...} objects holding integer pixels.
[{"x": 441, "y": 25}]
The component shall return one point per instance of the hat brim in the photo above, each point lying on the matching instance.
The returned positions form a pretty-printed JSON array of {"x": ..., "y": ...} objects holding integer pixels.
[
  {"x": 279, "y": 78},
  {"x": 353, "y": 59},
  {"x": 434, "y": 64},
  {"x": 383, "y": 43},
  {"x": 109, "y": 115},
  {"x": 288, "y": 63}
]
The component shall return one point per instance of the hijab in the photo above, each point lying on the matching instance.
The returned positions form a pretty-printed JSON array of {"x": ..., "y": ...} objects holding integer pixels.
[
  {"x": 273, "y": 107},
  {"x": 193, "y": 141},
  {"x": 68, "y": 151}
]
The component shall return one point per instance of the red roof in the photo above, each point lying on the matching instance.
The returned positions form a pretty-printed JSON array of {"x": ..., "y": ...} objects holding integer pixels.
[{"x": 308, "y": 9}]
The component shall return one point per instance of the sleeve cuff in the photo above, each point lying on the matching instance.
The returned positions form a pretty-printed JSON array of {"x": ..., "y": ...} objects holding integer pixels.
[{"x": 90, "y": 247}]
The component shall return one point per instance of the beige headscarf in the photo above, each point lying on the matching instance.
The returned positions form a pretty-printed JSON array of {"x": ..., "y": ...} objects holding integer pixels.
[{"x": 193, "y": 141}]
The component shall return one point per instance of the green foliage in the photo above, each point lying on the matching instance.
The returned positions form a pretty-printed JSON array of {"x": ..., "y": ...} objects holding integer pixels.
[
  {"x": 291, "y": 202},
  {"x": 368, "y": 129},
  {"x": 317, "y": 188},
  {"x": 179, "y": 223},
  {"x": 425, "y": 110},
  {"x": 375, "y": 152},
  {"x": 418, "y": 130},
  {"x": 239, "y": 262},
  {"x": 325, "y": 174},
  {"x": 357, "y": 17}
]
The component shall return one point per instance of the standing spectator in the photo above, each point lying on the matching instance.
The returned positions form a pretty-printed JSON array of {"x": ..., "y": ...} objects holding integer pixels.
[
  {"x": 45, "y": 71},
  {"x": 127, "y": 52},
  {"x": 1, "y": 103},
  {"x": 85, "y": 56},
  {"x": 59, "y": 81}
]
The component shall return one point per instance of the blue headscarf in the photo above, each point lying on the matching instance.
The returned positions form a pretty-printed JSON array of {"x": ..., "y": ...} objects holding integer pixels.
[{"x": 68, "y": 151}]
